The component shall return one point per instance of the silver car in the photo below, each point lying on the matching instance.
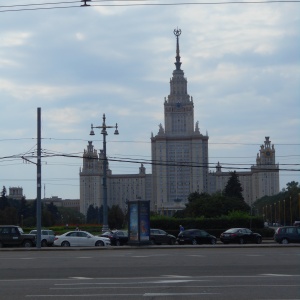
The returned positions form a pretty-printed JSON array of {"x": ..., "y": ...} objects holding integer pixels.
[{"x": 47, "y": 237}]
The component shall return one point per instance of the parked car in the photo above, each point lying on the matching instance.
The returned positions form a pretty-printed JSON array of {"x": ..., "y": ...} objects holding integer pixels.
[
  {"x": 287, "y": 234},
  {"x": 117, "y": 237},
  {"x": 297, "y": 223},
  {"x": 80, "y": 239},
  {"x": 158, "y": 237},
  {"x": 11, "y": 235},
  {"x": 47, "y": 237},
  {"x": 241, "y": 236},
  {"x": 195, "y": 236}
]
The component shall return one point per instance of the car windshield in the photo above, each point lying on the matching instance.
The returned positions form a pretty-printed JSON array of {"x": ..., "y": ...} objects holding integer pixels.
[
  {"x": 21, "y": 230},
  {"x": 232, "y": 230}
]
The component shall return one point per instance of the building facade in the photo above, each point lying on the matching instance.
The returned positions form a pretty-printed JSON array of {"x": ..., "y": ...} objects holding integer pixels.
[
  {"x": 261, "y": 180},
  {"x": 179, "y": 154},
  {"x": 121, "y": 188}
]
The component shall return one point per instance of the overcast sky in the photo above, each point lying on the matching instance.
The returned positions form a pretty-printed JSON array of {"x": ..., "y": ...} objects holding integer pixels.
[{"x": 241, "y": 62}]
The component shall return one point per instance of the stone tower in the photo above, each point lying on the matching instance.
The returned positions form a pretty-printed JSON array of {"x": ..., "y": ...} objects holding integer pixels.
[{"x": 179, "y": 150}]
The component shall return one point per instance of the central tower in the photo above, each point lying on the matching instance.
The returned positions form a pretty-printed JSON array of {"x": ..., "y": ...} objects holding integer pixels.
[
  {"x": 179, "y": 107},
  {"x": 179, "y": 150}
]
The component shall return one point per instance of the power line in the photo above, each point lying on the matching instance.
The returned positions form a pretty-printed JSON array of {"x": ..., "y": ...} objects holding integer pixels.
[{"x": 91, "y": 4}]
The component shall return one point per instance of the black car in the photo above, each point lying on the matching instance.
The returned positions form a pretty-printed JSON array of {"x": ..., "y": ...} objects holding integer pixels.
[
  {"x": 117, "y": 237},
  {"x": 158, "y": 236},
  {"x": 195, "y": 236},
  {"x": 241, "y": 236},
  {"x": 287, "y": 234}
]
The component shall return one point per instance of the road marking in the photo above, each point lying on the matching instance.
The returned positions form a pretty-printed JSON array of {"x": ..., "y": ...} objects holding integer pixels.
[
  {"x": 174, "y": 281},
  {"x": 80, "y": 278},
  {"x": 278, "y": 275},
  {"x": 84, "y": 295},
  {"x": 175, "y": 276},
  {"x": 140, "y": 256},
  {"x": 176, "y": 294}
]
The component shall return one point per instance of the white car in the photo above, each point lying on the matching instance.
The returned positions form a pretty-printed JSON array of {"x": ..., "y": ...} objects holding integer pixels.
[{"x": 80, "y": 239}]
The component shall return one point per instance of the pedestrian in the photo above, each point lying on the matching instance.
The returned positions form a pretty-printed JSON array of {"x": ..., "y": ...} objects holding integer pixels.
[{"x": 181, "y": 228}]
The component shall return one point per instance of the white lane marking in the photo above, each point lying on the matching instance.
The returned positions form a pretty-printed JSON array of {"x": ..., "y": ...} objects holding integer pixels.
[
  {"x": 175, "y": 276},
  {"x": 176, "y": 294},
  {"x": 81, "y": 278},
  {"x": 84, "y": 295},
  {"x": 138, "y": 256},
  {"x": 174, "y": 281},
  {"x": 283, "y": 275}
]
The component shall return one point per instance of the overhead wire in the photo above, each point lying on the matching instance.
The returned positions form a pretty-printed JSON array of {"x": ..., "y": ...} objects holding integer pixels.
[{"x": 91, "y": 4}]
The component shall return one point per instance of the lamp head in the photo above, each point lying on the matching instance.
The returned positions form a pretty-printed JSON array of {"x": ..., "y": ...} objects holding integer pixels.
[
  {"x": 116, "y": 131},
  {"x": 92, "y": 131}
]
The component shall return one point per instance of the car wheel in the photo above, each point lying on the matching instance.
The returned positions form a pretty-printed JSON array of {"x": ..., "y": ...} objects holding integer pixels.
[
  {"x": 1, "y": 244},
  {"x": 99, "y": 244},
  {"x": 27, "y": 244},
  {"x": 241, "y": 241},
  {"x": 171, "y": 242},
  {"x": 152, "y": 241},
  {"x": 65, "y": 244},
  {"x": 258, "y": 240},
  {"x": 213, "y": 241},
  {"x": 44, "y": 243},
  {"x": 194, "y": 242},
  {"x": 285, "y": 241},
  {"x": 118, "y": 243}
]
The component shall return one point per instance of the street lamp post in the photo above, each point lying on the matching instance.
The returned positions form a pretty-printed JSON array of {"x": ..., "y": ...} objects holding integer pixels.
[
  {"x": 284, "y": 212},
  {"x": 104, "y": 128}
]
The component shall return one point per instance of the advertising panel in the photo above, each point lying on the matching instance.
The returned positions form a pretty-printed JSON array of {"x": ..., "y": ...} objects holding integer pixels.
[
  {"x": 133, "y": 222},
  {"x": 139, "y": 222}
]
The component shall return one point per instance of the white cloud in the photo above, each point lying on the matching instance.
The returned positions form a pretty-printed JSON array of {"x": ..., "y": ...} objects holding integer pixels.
[{"x": 241, "y": 63}]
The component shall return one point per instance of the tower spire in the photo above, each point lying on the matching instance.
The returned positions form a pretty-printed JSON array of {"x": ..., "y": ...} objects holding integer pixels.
[{"x": 177, "y": 33}]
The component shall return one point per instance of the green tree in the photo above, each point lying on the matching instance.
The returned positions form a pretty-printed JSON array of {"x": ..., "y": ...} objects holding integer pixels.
[
  {"x": 115, "y": 217},
  {"x": 92, "y": 215},
  {"x": 71, "y": 216},
  {"x": 3, "y": 199},
  {"x": 210, "y": 206},
  {"x": 233, "y": 187}
]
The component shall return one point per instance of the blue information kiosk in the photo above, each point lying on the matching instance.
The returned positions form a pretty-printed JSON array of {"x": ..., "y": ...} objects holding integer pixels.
[{"x": 139, "y": 222}]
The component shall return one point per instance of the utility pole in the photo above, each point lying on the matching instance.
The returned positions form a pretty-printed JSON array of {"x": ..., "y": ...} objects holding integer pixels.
[{"x": 39, "y": 180}]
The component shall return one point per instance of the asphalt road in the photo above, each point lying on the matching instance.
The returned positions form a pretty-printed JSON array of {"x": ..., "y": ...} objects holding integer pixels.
[{"x": 152, "y": 273}]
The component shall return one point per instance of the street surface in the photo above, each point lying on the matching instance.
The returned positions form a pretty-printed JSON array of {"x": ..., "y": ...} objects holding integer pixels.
[{"x": 152, "y": 273}]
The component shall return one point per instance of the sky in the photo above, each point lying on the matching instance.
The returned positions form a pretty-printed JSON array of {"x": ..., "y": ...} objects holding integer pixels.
[{"x": 242, "y": 63}]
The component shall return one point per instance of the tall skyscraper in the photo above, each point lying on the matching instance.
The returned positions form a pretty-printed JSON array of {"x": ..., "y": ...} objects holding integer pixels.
[
  {"x": 179, "y": 150},
  {"x": 179, "y": 162}
]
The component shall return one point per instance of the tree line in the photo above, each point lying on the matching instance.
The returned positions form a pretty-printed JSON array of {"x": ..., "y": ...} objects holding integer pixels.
[{"x": 23, "y": 213}]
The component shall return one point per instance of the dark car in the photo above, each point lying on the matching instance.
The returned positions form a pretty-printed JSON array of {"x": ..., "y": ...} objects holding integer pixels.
[
  {"x": 117, "y": 237},
  {"x": 195, "y": 236},
  {"x": 241, "y": 236},
  {"x": 158, "y": 236},
  {"x": 11, "y": 235},
  {"x": 287, "y": 234}
]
